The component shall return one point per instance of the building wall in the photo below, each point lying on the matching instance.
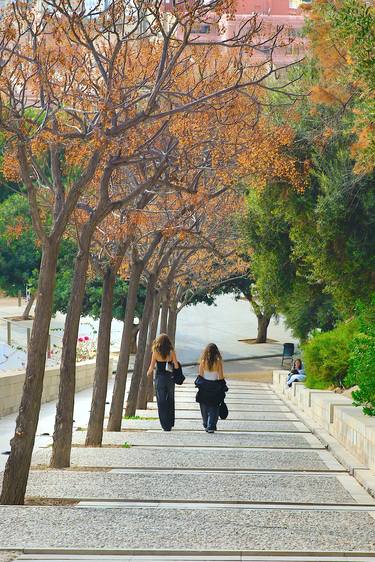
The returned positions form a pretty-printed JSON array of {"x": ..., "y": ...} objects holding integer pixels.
[
  {"x": 273, "y": 13},
  {"x": 268, "y": 7}
]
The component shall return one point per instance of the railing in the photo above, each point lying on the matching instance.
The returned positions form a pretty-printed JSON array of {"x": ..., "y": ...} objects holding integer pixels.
[{"x": 16, "y": 334}]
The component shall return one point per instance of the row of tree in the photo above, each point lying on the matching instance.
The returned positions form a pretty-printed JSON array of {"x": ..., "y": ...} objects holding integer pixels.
[{"x": 129, "y": 139}]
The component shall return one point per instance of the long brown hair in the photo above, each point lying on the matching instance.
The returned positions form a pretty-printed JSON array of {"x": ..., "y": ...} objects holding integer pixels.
[
  {"x": 211, "y": 356},
  {"x": 163, "y": 346}
]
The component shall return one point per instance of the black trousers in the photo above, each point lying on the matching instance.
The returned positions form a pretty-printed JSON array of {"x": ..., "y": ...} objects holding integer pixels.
[
  {"x": 164, "y": 387},
  {"x": 210, "y": 416}
]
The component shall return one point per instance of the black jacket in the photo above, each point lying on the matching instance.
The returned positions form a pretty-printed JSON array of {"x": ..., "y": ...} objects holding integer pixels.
[{"x": 211, "y": 393}]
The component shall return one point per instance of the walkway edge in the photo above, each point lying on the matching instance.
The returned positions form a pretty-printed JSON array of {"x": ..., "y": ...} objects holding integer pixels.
[{"x": 364, "y": 476}]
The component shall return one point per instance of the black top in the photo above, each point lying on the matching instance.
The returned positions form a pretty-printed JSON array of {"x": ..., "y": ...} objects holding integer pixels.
[{"x": 161, "y": 368}]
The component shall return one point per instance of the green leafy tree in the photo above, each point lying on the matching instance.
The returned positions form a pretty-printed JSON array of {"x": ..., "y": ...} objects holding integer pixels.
[
  {"x": 19, "y": 252},
  {"x": 336, "y": 237},
  {"x": 93, "y": 292}
]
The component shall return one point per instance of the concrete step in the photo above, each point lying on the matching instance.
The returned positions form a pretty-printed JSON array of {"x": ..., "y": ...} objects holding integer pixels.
[
  {"x": 94, "y": 556},
  {"x": 181, "y": 439},
  {"x": 199, "y": 458},
  {"x": 234, "y": 415},
  {"x": 240, "y": 505}
]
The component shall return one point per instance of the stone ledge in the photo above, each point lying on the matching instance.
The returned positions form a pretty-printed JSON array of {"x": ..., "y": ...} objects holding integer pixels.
[
  {"x": 341, "y": 427},
  {"x": 11, "y": 385},
  {"x": 324, "y": 406}
]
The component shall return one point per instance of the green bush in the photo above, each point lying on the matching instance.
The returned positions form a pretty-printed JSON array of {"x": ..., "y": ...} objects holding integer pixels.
[
  {"x": 362, "y": 360},
  {"x": 326, "y": 356}
]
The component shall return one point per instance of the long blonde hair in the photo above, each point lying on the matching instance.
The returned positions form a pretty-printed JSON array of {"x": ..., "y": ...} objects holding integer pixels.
[
  {"x": 211, "y": 356},
  {"x": 163, "y": 346}
]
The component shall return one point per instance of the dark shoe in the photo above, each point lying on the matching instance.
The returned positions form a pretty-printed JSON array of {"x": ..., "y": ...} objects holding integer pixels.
[
  {"x": 167, "y": 429},
  {"x": 210, "y": 430}
]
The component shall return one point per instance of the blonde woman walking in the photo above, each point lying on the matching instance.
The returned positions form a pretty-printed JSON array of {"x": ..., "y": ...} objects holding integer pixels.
[
  {"x": 211, "y": 386},
  {"x": 164, "y": 359}
]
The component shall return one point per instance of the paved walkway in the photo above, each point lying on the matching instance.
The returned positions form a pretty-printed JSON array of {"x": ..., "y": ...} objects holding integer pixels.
[
  {"x": 262, "y": 488},
  {"x": 197, "y": 325}
]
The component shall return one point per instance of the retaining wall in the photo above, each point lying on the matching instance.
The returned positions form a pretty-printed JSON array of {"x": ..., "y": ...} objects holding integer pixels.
[
  {"x": 11, "y": 384},
  {"x": 336, "y": 414}
]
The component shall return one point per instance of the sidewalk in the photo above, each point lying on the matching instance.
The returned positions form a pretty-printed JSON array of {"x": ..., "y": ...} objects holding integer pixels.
[{"x": 196, "y": 327}]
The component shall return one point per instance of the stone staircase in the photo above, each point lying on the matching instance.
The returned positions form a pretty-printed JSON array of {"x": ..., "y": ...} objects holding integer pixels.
[{"x": 261, "y": 489}]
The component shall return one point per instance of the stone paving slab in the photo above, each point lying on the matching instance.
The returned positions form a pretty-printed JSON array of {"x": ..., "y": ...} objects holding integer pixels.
[
  {"x": 233, "y": 415},
  {"x": 244, "y": 392},
  {"x": 248, "y": 386},
  {"x": 235, "y": 386},
  {"x": 190, "y": 529},
  {"x": 288, "y": 488},
  {"x": 202, "y": 439},
  {"x": 237, "y": 406},
  {"x": 229, "y": 459},
  {"x": 240, "y": 399},
  {"x": 249, "y": 396},
  {"x": 232, "y": 391},
  {"x": 223, "y": 425},
  {"x": 238, "y": 396},
  {"x": 198, "y": 557}
]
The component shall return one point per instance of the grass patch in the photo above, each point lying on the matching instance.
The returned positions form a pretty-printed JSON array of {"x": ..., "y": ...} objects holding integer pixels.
[
  {"x": 126, "y": 445},
  {"x": 36, "y": 500},
  {"x": 71, "y": 468}
]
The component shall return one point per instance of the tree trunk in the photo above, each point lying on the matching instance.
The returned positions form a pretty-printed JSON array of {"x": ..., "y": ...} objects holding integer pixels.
[
  {"x": 131, "y": 404},
  {"x": 26, "y": 312},
  {"x": 95, "y": 427},
  {"x": 172, "y": 322},
  {"x": 18, "y": 464},
  {"x": 146, "y": 389},
  {"x": 164, "y": 316},
  {"x": 263, "y": 323},
  {"x": 62, "y": 437},
  {"x": 133, "y": 345},
  {"x": 118, "y": 396}
]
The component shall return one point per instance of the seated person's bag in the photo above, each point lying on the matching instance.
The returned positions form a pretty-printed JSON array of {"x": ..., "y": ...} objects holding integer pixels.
[{"x": 178, "y": 375}]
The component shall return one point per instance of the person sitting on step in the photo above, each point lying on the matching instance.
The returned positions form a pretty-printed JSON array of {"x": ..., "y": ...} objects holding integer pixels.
[{"x": 297, "y": 374}]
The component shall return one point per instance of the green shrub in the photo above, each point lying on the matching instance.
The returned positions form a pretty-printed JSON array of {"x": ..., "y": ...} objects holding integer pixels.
[
  {"x": 362, "y": 360},
  {"x": 326, "y": 356}
]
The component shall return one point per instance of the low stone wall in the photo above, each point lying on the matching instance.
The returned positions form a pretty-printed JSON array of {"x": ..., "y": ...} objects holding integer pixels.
[
  {"x": 11, "y": 384},
  {"x": 334, "y": 413}
]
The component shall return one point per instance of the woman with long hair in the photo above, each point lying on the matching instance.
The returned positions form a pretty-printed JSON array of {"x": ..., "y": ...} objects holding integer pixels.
[
  {"x": 297, "y": 374},
  {"x": 164, "y": 356},
  {"x": 211, "y": 386}
]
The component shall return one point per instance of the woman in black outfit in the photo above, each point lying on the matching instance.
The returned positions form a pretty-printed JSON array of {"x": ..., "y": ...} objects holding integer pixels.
[{"x": 164, "y": 356}]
